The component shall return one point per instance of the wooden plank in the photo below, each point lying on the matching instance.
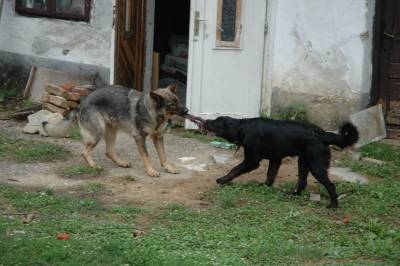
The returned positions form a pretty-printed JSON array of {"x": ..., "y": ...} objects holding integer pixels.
[
  {"x": 393, "y": 133},
  {"x": 62, "y": 102},
  {"x": 393, "y": 87},
  {"x": 55, "y": 90},
  {"x": 394, "y": 70},
  {"x": 155, "y": 76},
  {"x": 55, "y": 109},
  {"x": 28, "y": 87}
]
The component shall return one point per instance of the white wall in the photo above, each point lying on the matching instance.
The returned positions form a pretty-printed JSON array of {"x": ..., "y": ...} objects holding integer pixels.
[
  {"x": 321, "y": 48},
  {"x": 88, "y": 43}
]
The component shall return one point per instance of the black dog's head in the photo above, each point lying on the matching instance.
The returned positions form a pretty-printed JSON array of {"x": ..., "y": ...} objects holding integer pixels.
[{"x": 225, "y": 127}]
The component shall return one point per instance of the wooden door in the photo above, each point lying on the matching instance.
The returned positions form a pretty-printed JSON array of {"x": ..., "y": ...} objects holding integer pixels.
[
  {"x": 130, "y": 43},
  {"x": 390, "y": 60}
]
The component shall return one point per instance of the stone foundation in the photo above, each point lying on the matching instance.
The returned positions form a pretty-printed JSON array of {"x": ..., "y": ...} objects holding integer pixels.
[{"x": 325, "y": 111}]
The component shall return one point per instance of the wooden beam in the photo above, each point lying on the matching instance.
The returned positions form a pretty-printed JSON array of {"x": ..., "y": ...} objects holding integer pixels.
[
  {"x": 155, "y": 75},
  {"x": 27, "y": 91}
]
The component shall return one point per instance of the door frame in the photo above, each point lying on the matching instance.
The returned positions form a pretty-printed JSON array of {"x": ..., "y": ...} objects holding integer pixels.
[
  {"x": 266, "y": 84},
  {"x": 376, "y": 89},
  {"x": 141, "y": 42}
]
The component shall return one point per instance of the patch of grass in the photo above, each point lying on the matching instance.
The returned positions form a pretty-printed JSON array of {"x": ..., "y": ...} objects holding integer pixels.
[
  {"x": 293, "y": 112},
  {"x": 30, "y": 151},
  {"x": 271, "y": 228},
  {"x": 9, "y": 89},
  {"x": 96, "y": 187},
  {"x": 227, "y": 199},
  {"x": 381, "y": 151},
  {"x": 79, "y": 170},
  {"x": 258, "y": 226},
  {"x": 388, "y": 170},
  {"x": 92, "y": 240},
  {"x": 389, "y": 154},
  {"x": 247, "y": 225},
  {"x": 27, "y": 103},
  {"x": 75, "y": 134}
]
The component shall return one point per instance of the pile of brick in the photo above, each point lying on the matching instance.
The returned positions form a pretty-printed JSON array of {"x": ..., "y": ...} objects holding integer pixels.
[{"x": 63, "y": 98}]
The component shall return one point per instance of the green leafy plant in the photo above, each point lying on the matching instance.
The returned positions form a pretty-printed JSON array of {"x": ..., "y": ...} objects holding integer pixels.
[
  {"x": 294, "y": 112},
  {"x": 79, "y": 170},
  {"x": 30, "y": 151}
]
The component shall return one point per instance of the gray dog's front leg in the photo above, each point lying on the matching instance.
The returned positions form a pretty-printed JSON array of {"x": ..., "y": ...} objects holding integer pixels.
[
  {"x": 159, "y": 144},
  {"x": 140, "y": 141}
]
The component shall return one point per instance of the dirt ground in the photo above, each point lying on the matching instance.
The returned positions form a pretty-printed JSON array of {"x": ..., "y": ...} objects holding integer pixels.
[{"x": 186, "y": 188}]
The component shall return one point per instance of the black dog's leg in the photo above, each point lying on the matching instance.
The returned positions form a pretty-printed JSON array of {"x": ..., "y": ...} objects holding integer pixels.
[
  {"x": 243, "y": 167},
  {"x": 251, "y": 161},
  {"x": 322, "y": 176},
  {"x": 303, "y": 173},
  {"x": 273, "y": 168}
]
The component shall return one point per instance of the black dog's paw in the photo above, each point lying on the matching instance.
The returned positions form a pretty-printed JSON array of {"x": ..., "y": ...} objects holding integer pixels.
[
  {"x": 296, "y": 193},
  {"x": 332, "y": 206},
  {"x": 265, "y": 184},
  {"x": 223, "y": 180}
]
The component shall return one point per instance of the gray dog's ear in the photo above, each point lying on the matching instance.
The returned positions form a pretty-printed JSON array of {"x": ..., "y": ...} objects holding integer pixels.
[
  {"x": 174, "y": 87},
  {"x": 158, "y": 99}
]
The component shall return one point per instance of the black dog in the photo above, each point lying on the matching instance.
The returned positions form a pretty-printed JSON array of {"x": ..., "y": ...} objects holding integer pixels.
[{"x": 273, "y": 140}]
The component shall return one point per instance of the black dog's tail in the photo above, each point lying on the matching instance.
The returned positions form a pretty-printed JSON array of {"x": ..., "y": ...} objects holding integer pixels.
[{"x": 348, "y": 135}]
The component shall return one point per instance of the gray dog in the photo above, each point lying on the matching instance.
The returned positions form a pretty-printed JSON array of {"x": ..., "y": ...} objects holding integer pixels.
[{"x": 107, "y": 110}]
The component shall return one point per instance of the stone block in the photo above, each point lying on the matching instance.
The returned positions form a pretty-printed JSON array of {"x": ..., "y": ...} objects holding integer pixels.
[{"x": 370, "y": 124}]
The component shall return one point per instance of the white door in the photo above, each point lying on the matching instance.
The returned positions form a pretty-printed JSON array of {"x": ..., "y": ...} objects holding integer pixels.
[{"x": 226, "y": 48}]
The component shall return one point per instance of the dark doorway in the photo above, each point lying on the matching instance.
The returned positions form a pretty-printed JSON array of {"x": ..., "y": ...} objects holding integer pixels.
[
  {"x": 386, "y": 74},
  {"x": 171, "y": 38}
]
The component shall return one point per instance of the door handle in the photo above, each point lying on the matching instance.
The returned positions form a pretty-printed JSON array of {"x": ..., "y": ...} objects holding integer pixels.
[{"x": 197, "y": 21}]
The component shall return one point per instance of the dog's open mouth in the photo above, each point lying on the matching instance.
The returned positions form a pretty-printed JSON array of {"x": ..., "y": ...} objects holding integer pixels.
[{"x": 200, "y": 123}]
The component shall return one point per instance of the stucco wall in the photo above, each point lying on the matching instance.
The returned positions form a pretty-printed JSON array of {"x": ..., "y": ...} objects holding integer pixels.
[
  {"x": 322, "y": 57},
  {"x": 54, "y": 40}
]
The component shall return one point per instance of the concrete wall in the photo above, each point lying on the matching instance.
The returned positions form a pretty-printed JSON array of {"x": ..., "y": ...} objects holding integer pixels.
[
  {"x": 51, "y": 42},
  {"x": 321, "y": 56}
]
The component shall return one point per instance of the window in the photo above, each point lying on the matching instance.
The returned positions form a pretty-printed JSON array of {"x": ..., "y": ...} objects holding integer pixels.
[
  {"x": 229, "y": 23},
  {"x": 63, "y": 9}
]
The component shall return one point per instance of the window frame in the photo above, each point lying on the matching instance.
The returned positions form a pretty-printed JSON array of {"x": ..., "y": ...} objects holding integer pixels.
[
  {"x": 236, "y": 43},
  {"x": 51, "y": 12}
]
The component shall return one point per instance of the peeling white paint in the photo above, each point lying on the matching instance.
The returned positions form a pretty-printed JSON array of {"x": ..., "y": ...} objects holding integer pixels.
[
  {"x": 78, "y": 42},
  {"x": 323, "y": 47}
]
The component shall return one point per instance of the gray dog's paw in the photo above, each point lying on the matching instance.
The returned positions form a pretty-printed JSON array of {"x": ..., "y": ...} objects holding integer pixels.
[
  {"x": 153, "y": 173},
  {"x": 171, "y": 169}
]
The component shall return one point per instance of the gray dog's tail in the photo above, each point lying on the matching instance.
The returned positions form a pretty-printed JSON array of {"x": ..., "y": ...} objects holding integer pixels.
[{"x": 348, "y": 135}]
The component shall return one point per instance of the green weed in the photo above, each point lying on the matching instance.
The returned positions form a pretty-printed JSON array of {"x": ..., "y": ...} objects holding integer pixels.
[
  {"x": 30, "y": 151},
  {"x": 79, "y": 170}
]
